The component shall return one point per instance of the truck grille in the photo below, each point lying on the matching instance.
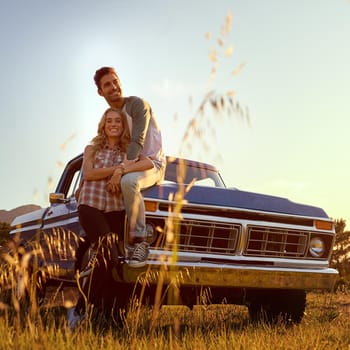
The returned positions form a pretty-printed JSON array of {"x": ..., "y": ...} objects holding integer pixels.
[
  {"x": 227, "y": 238},
  {"x": 208, "y": 237},
  {"x": 270, "y": 242}
]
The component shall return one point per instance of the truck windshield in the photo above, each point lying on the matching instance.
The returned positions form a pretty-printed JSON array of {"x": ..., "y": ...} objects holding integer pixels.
[{"x": 202, "y": 174}]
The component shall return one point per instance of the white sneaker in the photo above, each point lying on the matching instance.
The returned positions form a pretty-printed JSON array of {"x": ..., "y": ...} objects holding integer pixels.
[
  {"x": 139, "y": 255},
  {"x": 74, "y": 319}
]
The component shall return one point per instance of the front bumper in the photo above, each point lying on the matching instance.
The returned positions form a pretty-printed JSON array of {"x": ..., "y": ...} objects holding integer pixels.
[{"x": 212, "y": 275}]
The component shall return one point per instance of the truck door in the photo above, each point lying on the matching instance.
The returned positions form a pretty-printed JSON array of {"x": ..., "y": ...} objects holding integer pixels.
[{"x": 60, "y": 228}]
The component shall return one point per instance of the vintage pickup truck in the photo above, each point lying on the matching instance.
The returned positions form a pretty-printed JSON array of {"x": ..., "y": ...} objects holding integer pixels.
[{"x": 238, "y": 247}]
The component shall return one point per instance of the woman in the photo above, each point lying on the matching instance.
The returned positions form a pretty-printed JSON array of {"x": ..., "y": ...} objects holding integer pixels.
[{"x": 100, "y": 204}]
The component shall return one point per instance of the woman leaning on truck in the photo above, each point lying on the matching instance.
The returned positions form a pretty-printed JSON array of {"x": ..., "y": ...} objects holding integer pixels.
[{"x": 100, "y": 203}]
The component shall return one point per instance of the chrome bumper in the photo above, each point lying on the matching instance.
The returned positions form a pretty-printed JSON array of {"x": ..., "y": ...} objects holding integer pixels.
[{"x": 232, "y": 276}]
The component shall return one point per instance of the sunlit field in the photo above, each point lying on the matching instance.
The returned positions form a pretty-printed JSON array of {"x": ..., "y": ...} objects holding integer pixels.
[
  {"x": 326, "y": 325},
  {"x": 24, "y": 324}
]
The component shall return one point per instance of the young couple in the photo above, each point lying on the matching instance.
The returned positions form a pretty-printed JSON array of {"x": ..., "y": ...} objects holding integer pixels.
[{"x": 125, "y": 157}]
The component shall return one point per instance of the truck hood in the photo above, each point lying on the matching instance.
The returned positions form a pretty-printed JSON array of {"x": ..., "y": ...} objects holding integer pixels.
[
  {"x": 234, "y": 198},
  {"x": 33, "y": 217}
]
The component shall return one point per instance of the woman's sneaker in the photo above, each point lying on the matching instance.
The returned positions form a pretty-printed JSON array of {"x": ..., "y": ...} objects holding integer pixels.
[
  {"x": 90, "y": 265},
  {"x": 74, "y": 319},
  {"x": 139, "y": 255}
]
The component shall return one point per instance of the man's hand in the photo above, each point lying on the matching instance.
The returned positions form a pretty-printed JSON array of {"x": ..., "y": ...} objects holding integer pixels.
[{"x": 127, "y": 162}]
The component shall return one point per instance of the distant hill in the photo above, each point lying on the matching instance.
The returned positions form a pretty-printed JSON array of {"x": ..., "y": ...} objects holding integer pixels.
[{"x": 9, "y": 215}]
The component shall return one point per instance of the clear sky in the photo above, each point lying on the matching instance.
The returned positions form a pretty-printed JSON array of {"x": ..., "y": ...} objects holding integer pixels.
[{"x": 295, "y": 83}]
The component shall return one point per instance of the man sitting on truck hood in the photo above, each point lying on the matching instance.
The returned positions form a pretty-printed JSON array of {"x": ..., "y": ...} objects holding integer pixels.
[{"x": 146, "y": 140}]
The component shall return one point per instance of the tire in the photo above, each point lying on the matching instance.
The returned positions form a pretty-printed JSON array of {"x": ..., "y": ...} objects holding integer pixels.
[
  {"x": 276, "y": 306},
  {"x": 35, "y": 283},
  {"x": 23, "y": 275},
  {"x": 28, "y": 282}
]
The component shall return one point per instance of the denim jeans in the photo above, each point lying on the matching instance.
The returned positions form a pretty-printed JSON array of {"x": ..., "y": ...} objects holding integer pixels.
[{"x": 131, "y": 185}]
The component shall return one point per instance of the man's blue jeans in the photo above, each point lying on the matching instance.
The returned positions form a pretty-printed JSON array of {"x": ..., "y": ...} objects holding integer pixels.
[{"x": 131, "y": 185}]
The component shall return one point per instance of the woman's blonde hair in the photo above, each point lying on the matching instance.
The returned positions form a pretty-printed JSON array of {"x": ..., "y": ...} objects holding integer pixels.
[{"x": 100, "y": 140}]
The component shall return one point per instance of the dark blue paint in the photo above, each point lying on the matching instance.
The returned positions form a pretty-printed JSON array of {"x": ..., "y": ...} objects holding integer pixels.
[{"x": 234, "y": 198}]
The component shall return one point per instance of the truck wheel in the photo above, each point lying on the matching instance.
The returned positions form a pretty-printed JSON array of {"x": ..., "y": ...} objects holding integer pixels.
[
  {"x": 29, "y": 281},
  {"x": 286, "y": 306}
]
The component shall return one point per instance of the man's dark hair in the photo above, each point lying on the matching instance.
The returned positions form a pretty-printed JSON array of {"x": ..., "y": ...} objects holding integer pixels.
[{"x": 103, "y": 71}]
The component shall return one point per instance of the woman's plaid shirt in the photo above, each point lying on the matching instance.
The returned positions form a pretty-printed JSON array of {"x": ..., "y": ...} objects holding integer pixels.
[{"x": 94, "y": 193}]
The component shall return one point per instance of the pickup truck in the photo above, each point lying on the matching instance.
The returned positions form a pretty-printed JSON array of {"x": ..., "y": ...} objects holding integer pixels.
[{"x": 218, "y": 244}]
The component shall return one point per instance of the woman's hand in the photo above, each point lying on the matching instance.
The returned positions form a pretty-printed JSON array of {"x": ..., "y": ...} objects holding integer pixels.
[{"x": 113, "y": 185}]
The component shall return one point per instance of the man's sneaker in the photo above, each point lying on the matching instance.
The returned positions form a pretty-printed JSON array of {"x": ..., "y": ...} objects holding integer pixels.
[
  {"x": 74, "y": 319},
  {"x": 139, "y": 256},
  {"x": 90, "y": 265}
]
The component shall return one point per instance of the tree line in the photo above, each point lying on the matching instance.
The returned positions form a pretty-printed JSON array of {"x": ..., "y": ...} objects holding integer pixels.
[
  {"x": 4, "y": 232},
  {"x": 340, "y": 259}
]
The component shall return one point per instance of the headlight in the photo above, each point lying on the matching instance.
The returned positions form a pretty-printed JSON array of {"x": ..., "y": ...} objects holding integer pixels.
[
  {"x": 317, "y": 247},
  {"x": 151, "y": 233}
]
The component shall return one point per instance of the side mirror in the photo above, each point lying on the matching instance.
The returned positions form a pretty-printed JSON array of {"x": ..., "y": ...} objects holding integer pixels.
[{"x": 56, "y": 198}]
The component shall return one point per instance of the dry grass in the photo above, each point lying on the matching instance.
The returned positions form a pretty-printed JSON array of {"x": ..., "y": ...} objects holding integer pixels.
[{"x": 325, "y": 326}]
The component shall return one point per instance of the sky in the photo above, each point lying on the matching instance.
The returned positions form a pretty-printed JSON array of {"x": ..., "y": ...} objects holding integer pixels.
[{"x": 287, "y": 63}]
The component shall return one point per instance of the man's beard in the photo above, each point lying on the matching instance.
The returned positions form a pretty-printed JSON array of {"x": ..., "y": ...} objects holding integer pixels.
[{"x": 115, "y": 100}]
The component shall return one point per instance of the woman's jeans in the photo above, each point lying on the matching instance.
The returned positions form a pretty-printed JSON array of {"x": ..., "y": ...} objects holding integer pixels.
[{"x": 97, "y": 224}]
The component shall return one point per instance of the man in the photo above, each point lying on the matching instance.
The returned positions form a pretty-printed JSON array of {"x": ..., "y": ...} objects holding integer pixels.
[{"x": 146, "y": 140}]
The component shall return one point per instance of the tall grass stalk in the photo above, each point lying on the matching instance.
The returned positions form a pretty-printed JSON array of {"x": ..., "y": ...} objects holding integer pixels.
[{"x": 214, "y": 103}]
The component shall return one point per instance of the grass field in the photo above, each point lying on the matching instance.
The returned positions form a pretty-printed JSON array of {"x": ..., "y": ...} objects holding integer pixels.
[{"x": 326, "y": 325}]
